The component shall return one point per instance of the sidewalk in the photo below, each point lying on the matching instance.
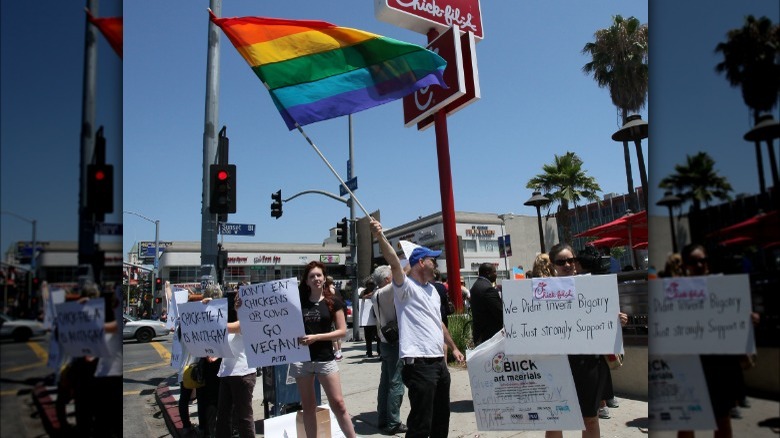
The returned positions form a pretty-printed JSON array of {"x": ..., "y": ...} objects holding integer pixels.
[{"x": 359, "y": 382}]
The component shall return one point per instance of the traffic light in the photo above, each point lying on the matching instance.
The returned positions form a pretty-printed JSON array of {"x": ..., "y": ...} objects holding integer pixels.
[
  {"x": 222, "y": 258},
  {"x": 100, "y": 188},
  {"x": 342, "y": 231},
  {"x": 157, "y": 300},
  {"x": 222, "y": 199},
  {"x": 276, "y": 206},
  {"x": 158, "y": 284}
]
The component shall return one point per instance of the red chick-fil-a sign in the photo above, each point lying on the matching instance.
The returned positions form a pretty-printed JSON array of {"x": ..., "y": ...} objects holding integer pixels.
[{"x": 421, "y": 15}]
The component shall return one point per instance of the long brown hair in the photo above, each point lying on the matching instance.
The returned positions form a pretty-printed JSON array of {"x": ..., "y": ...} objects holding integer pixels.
[{"x": 305, "y": 291}]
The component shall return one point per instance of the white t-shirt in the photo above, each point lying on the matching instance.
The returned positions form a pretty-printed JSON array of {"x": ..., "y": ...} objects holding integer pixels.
[
  {"x": 419, "y": 319},
  {"x": 236, "y": 365}
]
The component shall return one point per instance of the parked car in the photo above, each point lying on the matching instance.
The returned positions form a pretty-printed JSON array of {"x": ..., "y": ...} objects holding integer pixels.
[
  {"x": 19, "y": 329},
  {"x": 348, "y": 310},
  {"x": 143, "y": 330}
]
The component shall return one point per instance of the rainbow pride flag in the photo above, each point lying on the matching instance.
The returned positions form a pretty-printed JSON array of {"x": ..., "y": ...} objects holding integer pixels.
[{"x": 316, "y": 71}]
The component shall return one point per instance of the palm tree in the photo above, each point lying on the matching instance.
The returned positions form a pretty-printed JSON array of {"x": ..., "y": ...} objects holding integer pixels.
[
  {"x": 619, "y": 62},
  {"x": 697, "y": 181},
  {"x": 750, "y": 57},
  {"x": 564, "y": 181}
]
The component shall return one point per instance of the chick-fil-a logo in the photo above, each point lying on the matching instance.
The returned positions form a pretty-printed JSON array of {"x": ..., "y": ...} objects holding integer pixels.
[
  {"x": 451, "y": 14},
  {"x": 423, "y": 93},
  {"x": 558, "y": 289},
  {"x": 685, "y": 288}
]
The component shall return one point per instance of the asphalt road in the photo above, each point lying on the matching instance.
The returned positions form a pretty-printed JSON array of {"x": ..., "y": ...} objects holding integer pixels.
[
  {"x": 22, "y": 365},
  {"x": 145, "y": 366}
]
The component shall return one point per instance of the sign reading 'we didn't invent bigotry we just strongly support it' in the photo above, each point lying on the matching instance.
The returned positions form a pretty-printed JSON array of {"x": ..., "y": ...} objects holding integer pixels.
[{"x": 562, "y": 315}]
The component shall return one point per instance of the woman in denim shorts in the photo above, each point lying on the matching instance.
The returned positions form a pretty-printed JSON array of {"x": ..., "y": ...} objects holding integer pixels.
[{"x": 321, "y": 312}]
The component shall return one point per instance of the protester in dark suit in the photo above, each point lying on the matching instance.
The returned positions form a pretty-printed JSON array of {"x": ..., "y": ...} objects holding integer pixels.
[{"x": 487, "y": 308}]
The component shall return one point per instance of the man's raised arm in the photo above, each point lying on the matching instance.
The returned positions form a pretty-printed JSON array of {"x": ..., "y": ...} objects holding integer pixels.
[{"x": 388, "y": 252}]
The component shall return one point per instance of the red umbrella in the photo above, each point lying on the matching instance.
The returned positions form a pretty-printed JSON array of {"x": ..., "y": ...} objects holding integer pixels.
[
  {"x": 737, "y": 241},
  {"x": 632, "y": 226},
  {"x": 760, "y": 226},
  {"x": 608, "y": 242},
  {"x": 641, "y": 245}
]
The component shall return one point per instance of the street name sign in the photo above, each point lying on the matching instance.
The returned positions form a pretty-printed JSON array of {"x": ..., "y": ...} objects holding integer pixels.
[
  {"x": 237, "y": 229},
  {"x": 351, "y": 183}
]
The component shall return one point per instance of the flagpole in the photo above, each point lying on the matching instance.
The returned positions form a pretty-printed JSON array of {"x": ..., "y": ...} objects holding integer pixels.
[{"x": 354, "y": 198}]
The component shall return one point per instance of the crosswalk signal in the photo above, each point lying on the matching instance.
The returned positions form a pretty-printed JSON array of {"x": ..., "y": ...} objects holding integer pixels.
[
  {"x": 276, "y": 206},
  {"x": 222, "y": 199},
  {"x": 342, "y": 232},
  {"x": 100, "y": 188}
]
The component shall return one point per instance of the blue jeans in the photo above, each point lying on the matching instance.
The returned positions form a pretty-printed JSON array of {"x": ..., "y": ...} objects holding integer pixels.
[
  {"x": 429, "y": 398},
  {"x": 391, "y": 387}
]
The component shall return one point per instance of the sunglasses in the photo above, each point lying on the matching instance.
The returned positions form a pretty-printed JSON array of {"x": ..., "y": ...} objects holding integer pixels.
[
  {"x": 700, "y": 261},
  {"x": 564, "y": 262}
]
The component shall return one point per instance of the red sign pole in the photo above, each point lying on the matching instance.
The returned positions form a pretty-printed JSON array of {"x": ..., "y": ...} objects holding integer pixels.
[{"x": 447, "y": 201}]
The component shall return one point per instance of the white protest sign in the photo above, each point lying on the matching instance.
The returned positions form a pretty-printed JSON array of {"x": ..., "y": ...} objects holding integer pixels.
[
  {"x": 177, "y": 296},
  {"x": 271, "y": 323},
  {"x": 700, "y": 315},
  {"x": 558, "y": 324},
  {"x": 55, "y": 355},
  {"x": 513, "y": 392},
  {"x": 204, "y": 328},
  {"x": 367, "y": 316},
  {"x": 285, "y": 425},
  {"x": 176, "y": 353},
  {"x": 678, "y": 396},
  {"x": 52, "y": 298},
  {"x": 80, "y": 328}
]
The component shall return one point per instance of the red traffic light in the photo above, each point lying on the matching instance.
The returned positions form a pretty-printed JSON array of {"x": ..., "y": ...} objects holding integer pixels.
[
  {"x": 222, "y": 175},
  {"x": 100, "y": 175}
]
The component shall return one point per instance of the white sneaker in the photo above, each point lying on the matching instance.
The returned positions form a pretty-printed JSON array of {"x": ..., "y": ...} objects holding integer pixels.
[{"x": 604, "y": 413}]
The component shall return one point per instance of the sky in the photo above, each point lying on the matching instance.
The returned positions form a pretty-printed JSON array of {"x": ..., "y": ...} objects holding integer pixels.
[
  {"x": 536, "y": 102},
  {"x": 41, "y": 74},
  {"x": 693, "y": 107}
]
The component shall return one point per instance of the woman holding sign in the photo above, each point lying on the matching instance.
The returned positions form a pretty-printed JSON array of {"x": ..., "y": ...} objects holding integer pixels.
[
  {"x": 590, "y": 372},
  {"x": 321, "y": 311},
  {"x": 723, "y": 373}
]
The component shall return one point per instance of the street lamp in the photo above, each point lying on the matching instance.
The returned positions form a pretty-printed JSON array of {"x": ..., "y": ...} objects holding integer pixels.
[
  {"x": 669, "y": 200},
  {"x": 766, "y": 129},
  {"x": 635, "y": 129},
  {"x": 156, "y": 247},
  {"x": 538, "y": 200},
  {"x": 32, "y": 257}
]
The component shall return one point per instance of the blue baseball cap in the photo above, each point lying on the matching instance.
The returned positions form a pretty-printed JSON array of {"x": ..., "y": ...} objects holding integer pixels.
[{"x": 421, "y": 252}]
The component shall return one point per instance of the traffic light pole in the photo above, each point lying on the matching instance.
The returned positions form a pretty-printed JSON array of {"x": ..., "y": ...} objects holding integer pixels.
[
  {"x": 86, "y": 229},
  {"x": 209, "y": 226},
  {"x": 352, "y": 243},
  {"x": 155, "y": 272}
]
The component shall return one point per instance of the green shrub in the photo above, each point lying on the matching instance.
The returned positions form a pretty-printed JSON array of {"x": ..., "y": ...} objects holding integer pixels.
[{"x": 459, "y": 325}]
